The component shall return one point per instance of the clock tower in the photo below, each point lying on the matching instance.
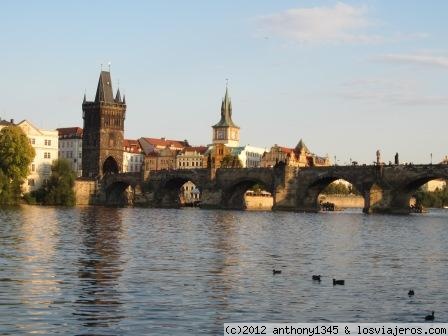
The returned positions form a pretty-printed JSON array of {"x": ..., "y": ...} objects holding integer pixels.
[{"x": 225, "y": 131}]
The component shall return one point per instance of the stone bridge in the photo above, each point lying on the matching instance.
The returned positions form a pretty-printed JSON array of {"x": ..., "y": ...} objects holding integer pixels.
[{"x": 385, "y": 189}]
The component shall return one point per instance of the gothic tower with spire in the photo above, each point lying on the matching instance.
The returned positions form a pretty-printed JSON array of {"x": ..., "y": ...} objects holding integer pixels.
[
  {"x": 225, "y": 131},
  {"x": 102, "y": 141}
]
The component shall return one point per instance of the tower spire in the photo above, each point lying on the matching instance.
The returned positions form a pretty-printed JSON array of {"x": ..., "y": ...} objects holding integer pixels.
[
  {"x": 104, "y": 91},
  {"x": 226, "y": 111},
  {"x": 118, "y": 95}
]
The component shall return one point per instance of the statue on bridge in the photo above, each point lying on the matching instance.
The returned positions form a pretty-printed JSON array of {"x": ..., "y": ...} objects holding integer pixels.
[
  {"x": 397, "y": 162},
  {"x": 378, "y": 157}
]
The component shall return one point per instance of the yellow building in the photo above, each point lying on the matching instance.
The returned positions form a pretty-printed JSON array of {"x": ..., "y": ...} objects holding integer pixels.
[{"x": 191, "y": 158}]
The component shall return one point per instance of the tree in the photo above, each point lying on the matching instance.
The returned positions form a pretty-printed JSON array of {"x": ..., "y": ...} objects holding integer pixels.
[
  {"x": 339, "y": 188},
  {"x": 432, "y": 199},
  {"x": 16, "y": 154},
  {"x": 231, "y": 161},
  {"x": 59, "y": 188}
]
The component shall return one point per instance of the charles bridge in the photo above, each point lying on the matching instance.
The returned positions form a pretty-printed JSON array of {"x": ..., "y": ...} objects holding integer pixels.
[{"x": 385, "y": 188}]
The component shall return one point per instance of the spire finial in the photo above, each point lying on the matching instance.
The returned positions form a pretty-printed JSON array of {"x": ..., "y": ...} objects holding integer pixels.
[
  {"x": 108, "y": 64},
  {"x": 101, "y": 66}
]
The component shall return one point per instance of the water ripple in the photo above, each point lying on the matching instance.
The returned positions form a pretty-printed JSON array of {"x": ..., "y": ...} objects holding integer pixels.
[{"x": 106, "y": 271}]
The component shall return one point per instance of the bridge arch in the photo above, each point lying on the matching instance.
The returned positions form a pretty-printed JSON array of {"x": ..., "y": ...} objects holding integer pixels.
[
  {"x": 402, "y": 196},
  {"x": 234, "y": 195},
  {"x": 308, "y": 193},
  {"x": 120, "y": 193},
  {"x": 169, "y": 192},
  {"x": 120, "y": 189}
]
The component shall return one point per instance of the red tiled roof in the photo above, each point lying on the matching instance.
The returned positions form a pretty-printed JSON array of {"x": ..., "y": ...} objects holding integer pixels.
[
  {"x": 286, "y": 149},
  {"x": 70, "y": 132},
  {"x": 131, "y": 146},
  {"x": 198, "y": 149},
  {"x": 162, "y": 142}
]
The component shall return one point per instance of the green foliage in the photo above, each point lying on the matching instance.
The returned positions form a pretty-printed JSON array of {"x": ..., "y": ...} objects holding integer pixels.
[
  {"x": 257, "y": 188},
  {"x": 339, "y": 188},
  {"x": 59, "y": 188},
  {"x": 432, "y": 199},
  {"x": 29, "y": 198},
  {"x": 16, "y": 154},
  {"x": 231, "y": 161},
  {"x": 10, "y": 190}
]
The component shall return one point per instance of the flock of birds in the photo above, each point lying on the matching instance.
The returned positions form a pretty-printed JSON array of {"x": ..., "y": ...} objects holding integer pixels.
[{"x": 342, "y": 283}]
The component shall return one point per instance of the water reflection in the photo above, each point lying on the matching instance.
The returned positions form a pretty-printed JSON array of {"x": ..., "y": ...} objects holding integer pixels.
[
  {"x": 99, "y": 271},
  {"x": 37, "y": 282},
  {"x": 100, "y": 268},
  {"x": 223, "y": 264}
]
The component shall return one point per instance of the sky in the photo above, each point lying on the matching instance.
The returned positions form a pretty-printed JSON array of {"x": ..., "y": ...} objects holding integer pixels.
[{"x": 349, "y": 77}]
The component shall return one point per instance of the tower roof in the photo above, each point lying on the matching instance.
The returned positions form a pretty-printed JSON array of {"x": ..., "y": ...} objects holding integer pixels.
[
  {"x": 104, "y": 91},
  {"x": 301, "y": 145},
  {"x": 118, "y": 96},
  {"x": 226, "y": 112}
]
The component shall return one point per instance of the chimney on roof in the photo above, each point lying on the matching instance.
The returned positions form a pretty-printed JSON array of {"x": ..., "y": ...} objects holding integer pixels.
[
  {"x": 162, "y": 139},
  {"x": 12, "y": 121}
]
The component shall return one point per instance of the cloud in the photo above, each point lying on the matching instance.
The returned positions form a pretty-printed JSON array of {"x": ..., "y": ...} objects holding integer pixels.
[
  {"x": 392, "y": 92},
  {"x": 340, "y": 23},
  {"x": 418, "y": 59}
]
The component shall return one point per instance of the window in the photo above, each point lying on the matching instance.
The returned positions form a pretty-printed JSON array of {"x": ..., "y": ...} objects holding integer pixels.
[
  {"x": 47, "y": 155},
  {"x": 33, "y": 168},
  {"x": 33, "y": 141},
  {"x": 47, "y": 142}
]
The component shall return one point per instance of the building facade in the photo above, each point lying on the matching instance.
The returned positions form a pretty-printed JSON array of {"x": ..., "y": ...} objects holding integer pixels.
[
  {"x": 160, "y": 153},
  {"x": 191, "y": 158},
  {"x": 70, "y": 147},
  {"x": 300, "y": 156},
  {"x": 133, "y": 156},
  {"x": 103, "y": 130},
  {"x": 249, "y": 156},
  {"x": 45, "y": 144},
  {"x": 434, "y": 185}
]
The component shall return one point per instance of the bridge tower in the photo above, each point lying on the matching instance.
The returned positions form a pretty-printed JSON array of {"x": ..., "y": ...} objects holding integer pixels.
[{"x": 102, "y": 142}]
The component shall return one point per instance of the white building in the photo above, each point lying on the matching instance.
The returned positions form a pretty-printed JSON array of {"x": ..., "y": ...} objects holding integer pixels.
[
  {"x": 133, "y": 156},
  {"x": 70, "y": 147},
  {"x": 250, "y": 156},
  {"x": 45, "y": 144}
]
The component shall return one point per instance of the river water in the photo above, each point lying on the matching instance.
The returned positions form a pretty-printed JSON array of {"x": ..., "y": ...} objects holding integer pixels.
[{"x": 108, "y": 271}]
